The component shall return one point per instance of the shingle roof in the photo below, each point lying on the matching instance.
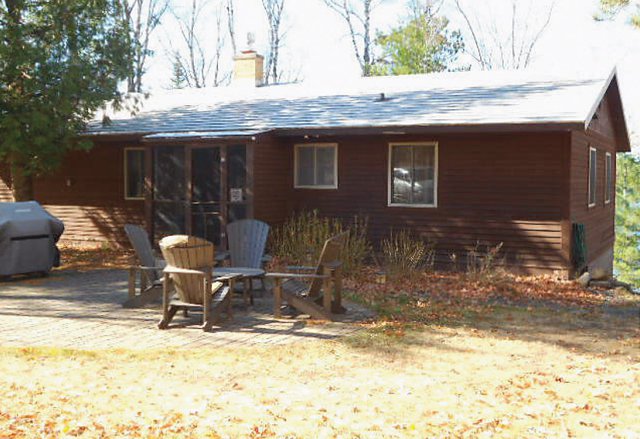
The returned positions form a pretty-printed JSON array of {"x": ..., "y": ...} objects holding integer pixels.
[{"x": 443, "y": 99}]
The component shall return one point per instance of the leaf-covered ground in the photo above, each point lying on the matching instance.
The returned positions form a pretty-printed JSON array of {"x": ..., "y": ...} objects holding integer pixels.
[
  {"x": 79, "y": 258},
  {"x": 450, "y": 356},
  {"x": 450, "y": 297},
  {"x": 512, "y": 373}
]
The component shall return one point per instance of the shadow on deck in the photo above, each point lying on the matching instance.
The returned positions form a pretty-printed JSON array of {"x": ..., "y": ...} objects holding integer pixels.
[{"x": 83, "y": 310}]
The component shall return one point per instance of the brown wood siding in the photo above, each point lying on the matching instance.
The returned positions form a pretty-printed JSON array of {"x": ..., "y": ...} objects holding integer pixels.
[
  {"x": 608, "y": 122},
  {"x": 599, "y": 220},
  {"x": 603, "y": 124},
  {"x": 272, "y": 180},
  {"x": 492, "y": 188},
  {"x": 87, "y": 193},
  {"x": 5, "y": 184}
]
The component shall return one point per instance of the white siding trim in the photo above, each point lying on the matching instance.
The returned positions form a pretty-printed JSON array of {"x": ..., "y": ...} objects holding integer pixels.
[
  {"x": 594, "y": 183},
  {"x": 608, "y": 177}
]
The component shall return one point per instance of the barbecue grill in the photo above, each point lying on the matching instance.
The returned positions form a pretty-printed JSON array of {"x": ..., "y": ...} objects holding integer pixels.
[{"x": 28, "y": 237}]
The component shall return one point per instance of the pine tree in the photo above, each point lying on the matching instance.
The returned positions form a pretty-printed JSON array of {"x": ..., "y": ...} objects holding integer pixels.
[
  {"x": 60, "y": 60},
  {"x": 178, "y": 80},
  {"x": 627, "y": 249},
  {"x": 421, "y": 45}
]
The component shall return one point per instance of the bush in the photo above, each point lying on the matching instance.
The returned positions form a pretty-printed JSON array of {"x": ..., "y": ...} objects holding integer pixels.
[
  {"x": 403, "y": 254},
  {"x": 299, "y": 241},
  {"x": 482, "y": 261}
]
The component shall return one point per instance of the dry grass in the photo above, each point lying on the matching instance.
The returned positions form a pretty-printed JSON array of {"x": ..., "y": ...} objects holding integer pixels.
[
  {"x": 513, "y": 373},
  {"x": 450, "y": 357}
]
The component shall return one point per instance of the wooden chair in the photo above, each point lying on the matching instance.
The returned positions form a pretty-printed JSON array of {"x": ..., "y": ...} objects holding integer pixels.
[
  {"x": 149, "y": 270},
  {"x": 316, "y": 291},
  {"x": 190, "y": 261},
  {"x": 247, "y": 239}
]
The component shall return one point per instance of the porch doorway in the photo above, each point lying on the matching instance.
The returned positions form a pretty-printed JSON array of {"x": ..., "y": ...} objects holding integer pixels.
[{"x": 197, "y": 190}]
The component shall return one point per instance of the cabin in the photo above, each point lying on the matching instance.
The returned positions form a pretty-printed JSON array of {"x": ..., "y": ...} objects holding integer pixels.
[{"x": 459, "y": 158}]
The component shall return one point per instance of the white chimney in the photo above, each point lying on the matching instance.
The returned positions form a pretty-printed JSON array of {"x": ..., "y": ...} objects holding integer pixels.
[{"x": 248, "y": 66}]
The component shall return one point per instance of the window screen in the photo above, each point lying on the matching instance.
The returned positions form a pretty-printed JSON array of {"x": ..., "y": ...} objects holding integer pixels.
[
  {"x": 237, "y": 158},
  {"x": 205, "y": 175},
  {"x": 316, "y": 166},
  {"x": 413, "y": 175},
  {"x": 169, "y": 176},
  {"x": 134, "y": 173}
]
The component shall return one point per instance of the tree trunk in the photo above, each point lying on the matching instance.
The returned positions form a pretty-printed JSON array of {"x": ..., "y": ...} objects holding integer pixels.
[
  {"x": 21, "y": 183},
  {"x": 366, "y": 56},
  {"x": 131, "y": 84}
]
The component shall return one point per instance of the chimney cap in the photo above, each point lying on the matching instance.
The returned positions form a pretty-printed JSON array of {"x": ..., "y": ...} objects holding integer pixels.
[
  {"x": 250, "y": 51},
  {"x": 251, "y": 41},
  {"x": 248, "y": 54}
]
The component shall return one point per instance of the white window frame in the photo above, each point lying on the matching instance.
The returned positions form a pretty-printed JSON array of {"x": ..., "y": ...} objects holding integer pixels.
[
  {"x": 594, "y": 183},
  {"x": 608, "y": 177},
  {"x": 297, "y": 147},
  {"x": 390, "y": 202},
  {"x": 126, "y": 174}
]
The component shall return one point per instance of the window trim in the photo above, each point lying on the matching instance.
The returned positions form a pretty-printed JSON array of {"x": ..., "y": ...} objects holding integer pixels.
[
  {"x": 390, "y": 202},
  {"x": 595, "y": 182},
  {"x": 296, "y": 148},
  {"x": 126, "y": 174},
  {"x": 608, "y": 177}
]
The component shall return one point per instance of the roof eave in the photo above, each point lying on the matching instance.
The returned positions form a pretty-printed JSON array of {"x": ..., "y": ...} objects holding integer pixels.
[
  {"x": 360, "y": 130},
  {"x": 430, "y": 129}
]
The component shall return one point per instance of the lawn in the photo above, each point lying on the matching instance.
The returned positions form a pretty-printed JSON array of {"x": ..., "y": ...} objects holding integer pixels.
[{"x": 503, "y": 370}]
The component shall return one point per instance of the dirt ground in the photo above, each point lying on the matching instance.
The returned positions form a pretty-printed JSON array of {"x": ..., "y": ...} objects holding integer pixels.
[{"x": 514, "y": 372}]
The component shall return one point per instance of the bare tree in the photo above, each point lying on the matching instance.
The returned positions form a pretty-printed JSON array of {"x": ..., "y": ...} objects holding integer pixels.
[
  {"x": 357, "y": 16},
  {"x": 231, "y": 24},
  {"x": 273, "y": 10},
  {"x": 198, "y": 63},
  {"x": 430, "y": 8},
  {"x": 508, "y": 47},
  {"x": 143, "y": 17}
]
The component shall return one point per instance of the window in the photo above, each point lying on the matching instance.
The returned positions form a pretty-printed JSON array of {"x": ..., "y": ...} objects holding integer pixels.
[
  {"x": 593, "y": 174},
  {"x": 413, "y": 174},
  {"x": 608, "y": 178},
  {"x": 316, "y": 166},
  {"x": 134, "y": 173}
]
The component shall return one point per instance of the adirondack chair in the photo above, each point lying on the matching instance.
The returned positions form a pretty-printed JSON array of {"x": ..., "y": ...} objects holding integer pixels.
[
  {"x": 149, "y": 270},
  {"x": 190, "y": 261},
  {"x": 247, "y": 239},
  {"x": 316, "y": 291}
]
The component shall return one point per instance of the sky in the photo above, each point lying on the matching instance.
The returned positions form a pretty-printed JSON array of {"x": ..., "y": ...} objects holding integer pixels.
[{"x": 317, "y": 47}]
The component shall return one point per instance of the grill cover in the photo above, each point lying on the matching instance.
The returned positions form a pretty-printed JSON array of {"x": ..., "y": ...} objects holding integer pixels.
[{"x": 28, "y": 237}]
